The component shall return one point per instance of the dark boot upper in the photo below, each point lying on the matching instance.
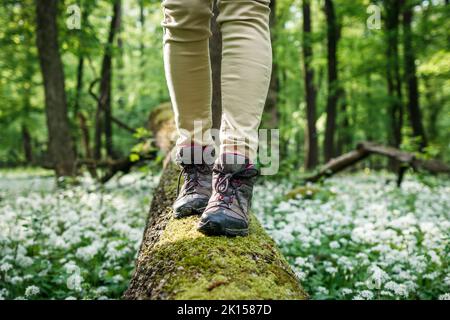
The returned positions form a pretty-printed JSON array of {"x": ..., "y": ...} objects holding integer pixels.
[
  {"x": 194, "y": 193},
  {"x": 228, "y": 208}
]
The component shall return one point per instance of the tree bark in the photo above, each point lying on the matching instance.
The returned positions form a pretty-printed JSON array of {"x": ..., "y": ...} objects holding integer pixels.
[
  {"x": 80, "y": 69},
  {"x": 85, "y": 135},
  {"x": 344, "y": 138},
  {"x": 60, "y": 141},
  {"x": 79, "y": 89},
  {"x": 27, "y": 141},
  {"x": 98, "y": 134},
  {"x": 434, "y": 107},
  {"x": 104, "y": 103},
  {"x": 333, "y": 82},
  {"x": 76, "y": 107},
  {"x": 311, "y": 144},
  {"x": 393, "y": 73},
  {"x": 27, "y": 145},
  {"x": 142, "y": 25},
  {"x": 415, "y": 114}
]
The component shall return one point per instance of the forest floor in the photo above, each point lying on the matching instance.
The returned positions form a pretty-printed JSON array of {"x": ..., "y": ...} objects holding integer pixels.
[{"x": 355, "y": 237}]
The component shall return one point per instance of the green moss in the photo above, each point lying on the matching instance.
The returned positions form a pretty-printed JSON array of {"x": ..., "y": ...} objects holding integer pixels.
[{"x": 199, "y": 267}]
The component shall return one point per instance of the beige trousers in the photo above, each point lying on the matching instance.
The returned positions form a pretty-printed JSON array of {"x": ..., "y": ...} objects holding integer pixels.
[{"x": 246, "y": 70}]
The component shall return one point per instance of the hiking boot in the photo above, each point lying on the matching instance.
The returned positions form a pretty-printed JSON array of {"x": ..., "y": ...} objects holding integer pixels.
[
  {"x": 227, "y": 212},
  {"x": 196, "y": 190}
]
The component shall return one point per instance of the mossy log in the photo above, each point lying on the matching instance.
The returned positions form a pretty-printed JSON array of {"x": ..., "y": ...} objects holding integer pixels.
[{"x": 177, "y": 262}]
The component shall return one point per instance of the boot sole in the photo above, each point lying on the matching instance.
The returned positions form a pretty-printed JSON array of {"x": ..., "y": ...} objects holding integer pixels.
[
  {"x": 188, "y": 213},
  {"x": 214, "y": 229}
]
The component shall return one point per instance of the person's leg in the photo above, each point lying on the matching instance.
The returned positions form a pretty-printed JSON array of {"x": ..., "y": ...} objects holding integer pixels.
[
  {"x": 246, "y": 71},
  {"x": 187, "y": 66},
  {"x": 188, "y": 73}
]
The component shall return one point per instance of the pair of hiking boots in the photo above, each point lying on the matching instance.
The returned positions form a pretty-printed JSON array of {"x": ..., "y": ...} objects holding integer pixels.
[{"x": 221, "y": 193}]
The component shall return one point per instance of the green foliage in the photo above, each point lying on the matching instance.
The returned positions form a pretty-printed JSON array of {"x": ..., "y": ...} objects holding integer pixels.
[
  {"x": 144, "y": 147},
  {"x": 138, "y": 77},
  {"x": 362, "y": 73}
]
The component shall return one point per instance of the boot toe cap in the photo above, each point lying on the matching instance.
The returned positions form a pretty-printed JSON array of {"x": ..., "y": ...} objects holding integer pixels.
[
  {"x": 189, "y": 205},
  {"x": 221, "y": 223}
]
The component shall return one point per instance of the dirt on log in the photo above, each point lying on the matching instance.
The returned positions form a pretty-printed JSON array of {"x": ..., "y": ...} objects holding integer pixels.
[{"x": 177, "y": 262}]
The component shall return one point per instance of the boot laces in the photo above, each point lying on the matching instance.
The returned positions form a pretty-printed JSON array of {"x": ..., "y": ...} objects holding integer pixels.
[
  {"x": 225, "y": 181},
  {"x": 190, "y": 172}
]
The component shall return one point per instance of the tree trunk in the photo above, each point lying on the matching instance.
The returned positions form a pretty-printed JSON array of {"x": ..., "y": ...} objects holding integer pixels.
[
  {"x": 27, "y": 141},
  {"x": 79, "y": 89},
  {"x": 215, "y": 48},
  {"x": 60, "y": 141},
  {"x": 104, "y": 102},
  {"x": 344, "y": 139},
  {"x": 311, "y": 144},
  {"x": 415, "y": 115},
  {"x": 86, "y": 142},
  {"x": 98, "y": 134},
  {"x": 121, "y": 86},
  {"x": 142, "y": 25},
  {"x": 142, "y": 45},
  {"x": 333, "y": 83},
  {"x": 80, "y": 70},
  {"x": 85, "y": 135},
  {"x": 434, "y": 107},
  {"x": 270, "y": 109},
  {"x": 27, "y": 145},
  {"x": 393, "y": 73},
  {"x": 76, "y": 106}
]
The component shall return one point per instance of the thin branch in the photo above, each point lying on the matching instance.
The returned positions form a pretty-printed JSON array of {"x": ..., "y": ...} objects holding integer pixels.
[{"x": 91, "y": 89}]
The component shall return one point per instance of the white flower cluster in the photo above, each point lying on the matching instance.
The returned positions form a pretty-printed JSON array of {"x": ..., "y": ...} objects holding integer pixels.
[
  {"x": 358, "y": 237},
  {"x": 79, "y": 242},
  {"x": 355, "y": 237}
]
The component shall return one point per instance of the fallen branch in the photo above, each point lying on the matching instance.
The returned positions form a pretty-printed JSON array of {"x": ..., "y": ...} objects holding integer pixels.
[
  {"x": 122, "y": 125},
  {"x": 365, "y": 149},
  {"x": 115, "y": 166}
]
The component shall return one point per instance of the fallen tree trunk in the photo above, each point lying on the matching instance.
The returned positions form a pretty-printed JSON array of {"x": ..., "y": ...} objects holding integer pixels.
[
  {"x": 123, "y": 165},
  {"x": 177, "y": 262},
  {"x": 365, "y": 149}
]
